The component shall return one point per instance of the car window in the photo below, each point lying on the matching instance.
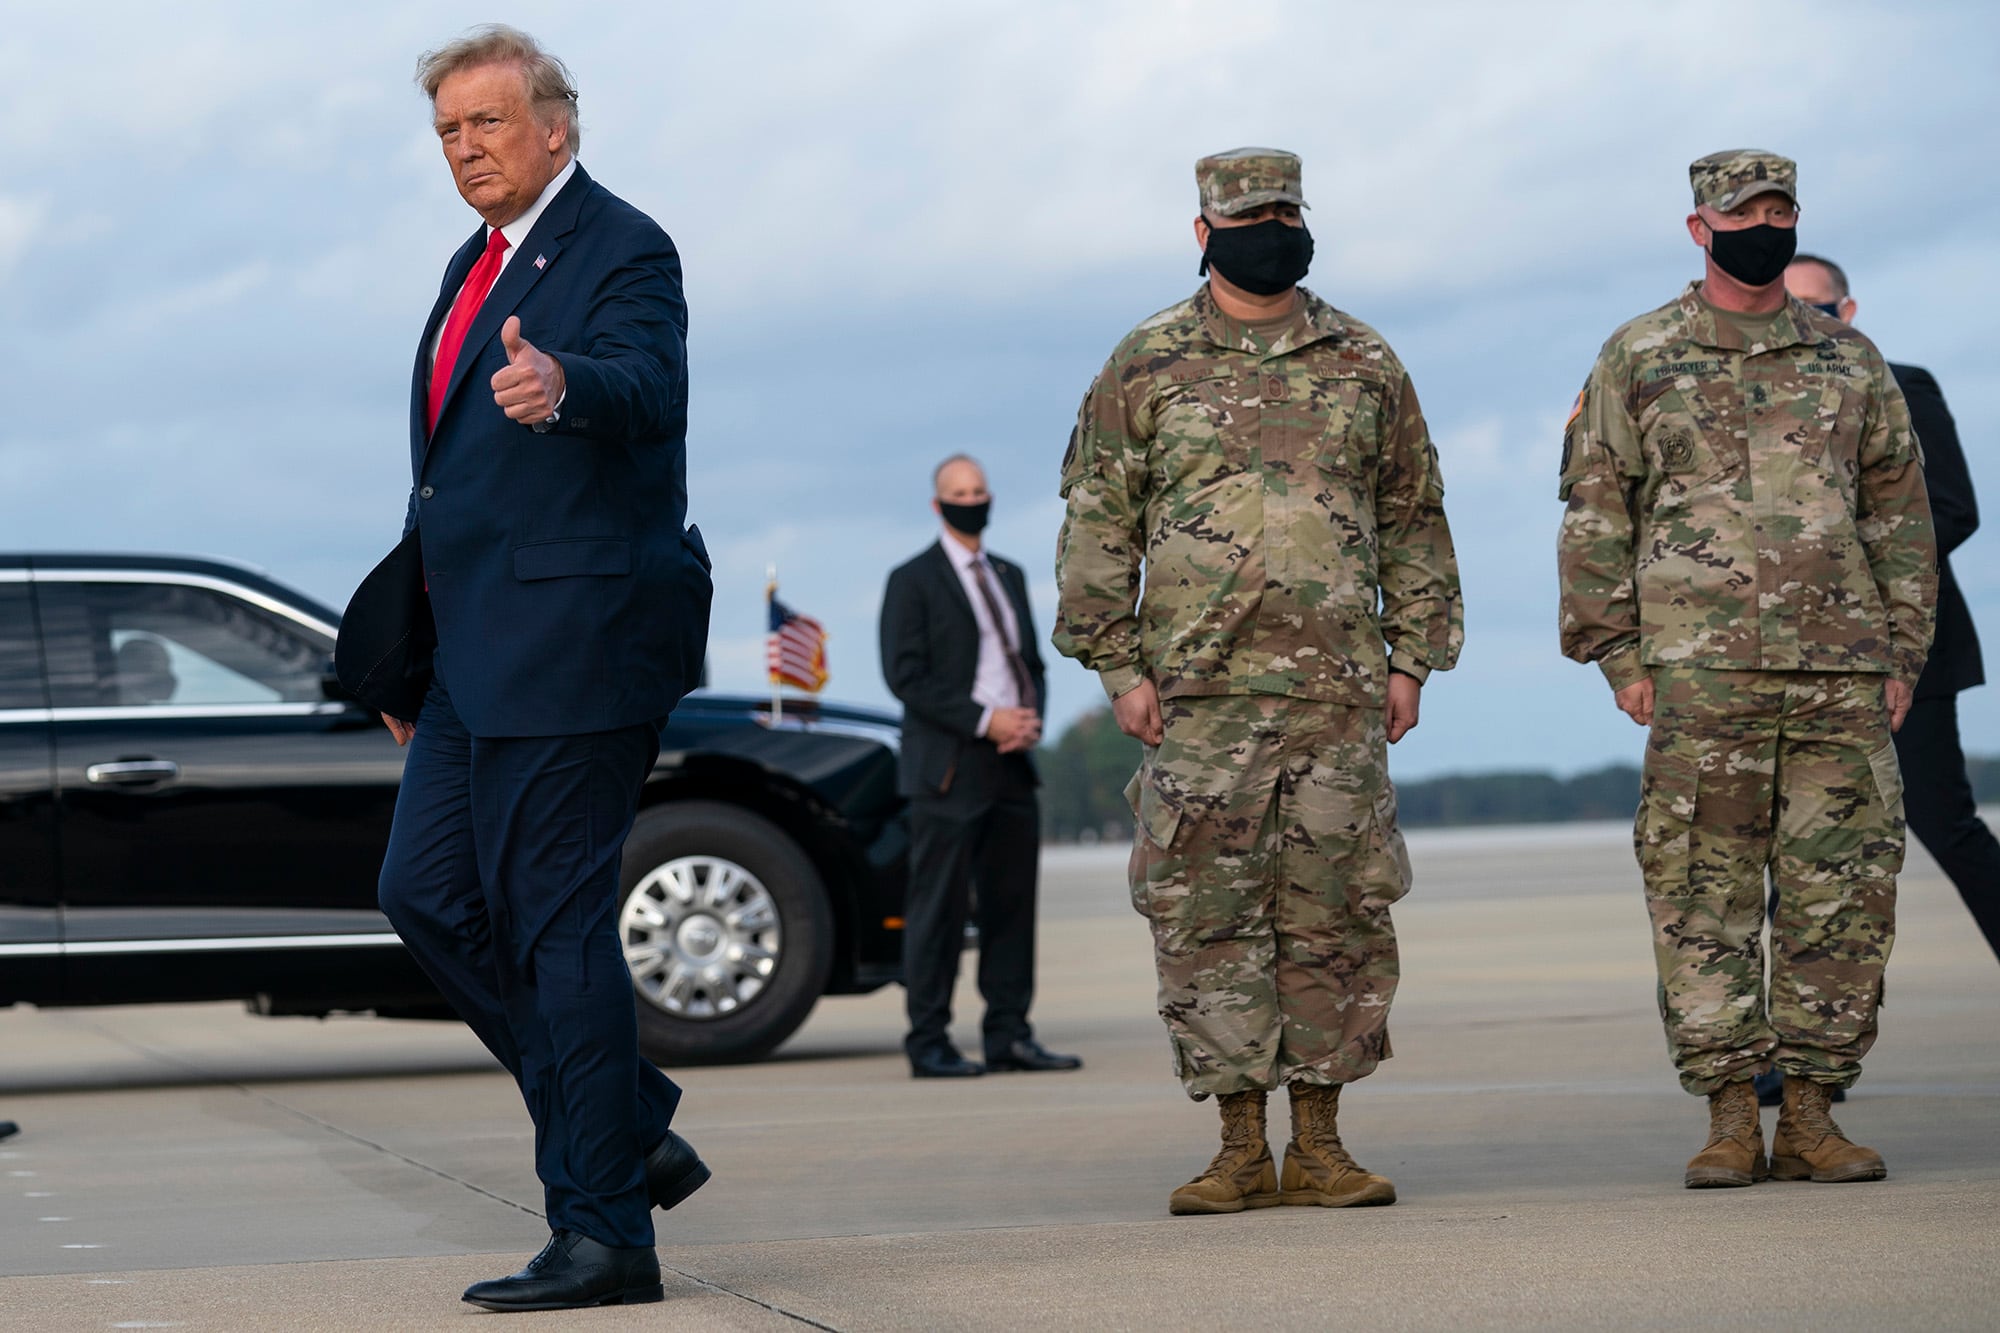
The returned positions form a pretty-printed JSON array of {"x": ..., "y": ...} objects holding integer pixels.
[
  {"x": 20, "y": 655},
  {"x": 130, "y": 645}
]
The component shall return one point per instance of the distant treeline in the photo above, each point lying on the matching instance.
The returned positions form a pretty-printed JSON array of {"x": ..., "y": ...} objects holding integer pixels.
[
  {"x": 1083, "y": 781},
  {"x": 1084, "y": 775}
]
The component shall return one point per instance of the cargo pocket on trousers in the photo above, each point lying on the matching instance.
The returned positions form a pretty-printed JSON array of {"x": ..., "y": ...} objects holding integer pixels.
[
  {"x": 1888, "y": 779},
  {"x": 1157, "y": 819},
  {"x": 1663, "y": 834},
  {"x": 1155, "y": 822},
  {"x": 1389, "y": 875},
  {"x": 1888, "y": 773}
]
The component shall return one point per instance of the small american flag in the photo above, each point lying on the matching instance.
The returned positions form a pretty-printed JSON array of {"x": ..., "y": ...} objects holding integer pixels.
[
  {"x": 540, "y": 262},
  {"x": 795, "y": 653}
]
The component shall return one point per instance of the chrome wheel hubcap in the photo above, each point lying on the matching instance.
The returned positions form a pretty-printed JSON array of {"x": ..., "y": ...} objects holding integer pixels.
[{"x": 701, "y": 937}]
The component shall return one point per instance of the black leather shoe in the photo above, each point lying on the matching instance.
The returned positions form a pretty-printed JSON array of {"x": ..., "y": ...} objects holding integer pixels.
[
  {"x": 573, "y": 1272},
  {"x": 673, "y": 1171},
  {"x": 8, "y": 1129},
  {"x": 1028, "y": 1056},
  {"x": 945, "y": 1063}
]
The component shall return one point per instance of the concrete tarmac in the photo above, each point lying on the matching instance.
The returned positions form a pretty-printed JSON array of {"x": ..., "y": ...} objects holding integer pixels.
[{"x": 195, "y": 1167}]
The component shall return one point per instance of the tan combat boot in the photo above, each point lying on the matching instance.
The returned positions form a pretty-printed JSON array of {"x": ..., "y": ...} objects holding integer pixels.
[
  {"x": 1735, "y": 1151},
  {"x": 1317, "y": 1168},
  {"x": 1809, "y": 1146},
  {"x": 1242, "y": 1175}
]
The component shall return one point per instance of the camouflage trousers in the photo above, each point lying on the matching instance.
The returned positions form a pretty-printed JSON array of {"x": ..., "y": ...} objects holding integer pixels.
[
  {"x": 1265, "y": 859},
  {"x": 1791, "y": 773}
]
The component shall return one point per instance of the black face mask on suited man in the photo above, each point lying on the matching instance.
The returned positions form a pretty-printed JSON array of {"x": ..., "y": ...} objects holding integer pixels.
[
  {"x": 968, "y": 519},
  {"x": 1264, "y": 258}
]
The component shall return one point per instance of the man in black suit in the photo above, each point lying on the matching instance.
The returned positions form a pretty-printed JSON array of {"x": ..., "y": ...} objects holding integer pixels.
[
  {"x": 1937, "y": 795},
  {"x": 548, "y": 438},
  {"x": 958, "y": 648}
]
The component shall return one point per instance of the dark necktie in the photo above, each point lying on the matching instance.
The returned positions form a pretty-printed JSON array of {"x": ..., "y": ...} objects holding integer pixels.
[
  {"x": 982, "y": 575},
  {"x": 470, "y": 297}
]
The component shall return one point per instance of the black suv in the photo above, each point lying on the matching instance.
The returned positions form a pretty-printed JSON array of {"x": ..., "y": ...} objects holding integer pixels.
[{"x": 190, "y": 809}]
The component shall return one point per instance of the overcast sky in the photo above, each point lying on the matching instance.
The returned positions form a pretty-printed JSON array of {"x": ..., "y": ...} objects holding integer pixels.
[{"x": 911, "y": 229}]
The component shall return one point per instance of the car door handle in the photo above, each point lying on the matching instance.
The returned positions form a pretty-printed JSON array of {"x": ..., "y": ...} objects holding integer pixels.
[{"x": 131, "y": 772}]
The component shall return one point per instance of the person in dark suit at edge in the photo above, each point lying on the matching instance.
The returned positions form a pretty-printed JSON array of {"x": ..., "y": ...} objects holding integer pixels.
[
  {"x": 959, "y": 650},
  {"x": 548, "y": 419},
  {"x": 1937, "y": 793}
]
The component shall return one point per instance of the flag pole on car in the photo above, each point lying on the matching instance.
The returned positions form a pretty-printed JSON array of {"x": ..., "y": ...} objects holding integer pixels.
[
  {"x": 795, "y": 652},
  {"x": 771, "y": 620}
]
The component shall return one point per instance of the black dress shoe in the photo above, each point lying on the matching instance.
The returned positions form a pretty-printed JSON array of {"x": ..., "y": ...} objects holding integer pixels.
[
  {"x": 8, "y": 1129},
  {"x": 946, "y": 1063},
  {"x": 673, "y": 1171},
  {"x": 1028, "y": 1056},
  {"x": 573, "y": 1272}
]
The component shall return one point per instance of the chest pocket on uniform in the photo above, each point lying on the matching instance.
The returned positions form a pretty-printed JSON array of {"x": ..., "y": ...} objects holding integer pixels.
[
  {"x": 1203, "y": 431},
  {"x": 1686, "y": 438},
  {"x": 1348, "y": 413},
  {"x": 1833, "y": 434}
]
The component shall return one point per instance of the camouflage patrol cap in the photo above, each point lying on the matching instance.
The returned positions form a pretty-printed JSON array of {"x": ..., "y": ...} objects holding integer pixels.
[
  {"x": 1243, "y": 178},
  {"x": 1724, "y": 180}
]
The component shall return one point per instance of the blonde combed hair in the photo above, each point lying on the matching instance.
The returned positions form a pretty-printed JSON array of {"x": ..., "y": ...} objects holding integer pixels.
[{"x": 551, "y": 91}]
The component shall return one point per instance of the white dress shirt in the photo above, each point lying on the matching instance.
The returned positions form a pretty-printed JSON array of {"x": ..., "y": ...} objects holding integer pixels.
[
  {"x": 993, "y": 684},
  {"x": 515, "y": 232}
]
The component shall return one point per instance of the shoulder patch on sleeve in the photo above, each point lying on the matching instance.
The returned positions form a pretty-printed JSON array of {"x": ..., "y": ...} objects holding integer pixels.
[
  {"x": 1565, "y": 478},
  {"x": 1074, "y": 463}
]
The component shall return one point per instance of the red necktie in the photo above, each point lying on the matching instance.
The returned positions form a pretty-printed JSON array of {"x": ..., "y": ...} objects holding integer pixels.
[{"x": 470, "y": 297}]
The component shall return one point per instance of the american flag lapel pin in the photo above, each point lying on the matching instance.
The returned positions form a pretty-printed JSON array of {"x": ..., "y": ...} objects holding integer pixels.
[{"x": 541, "y": 262}]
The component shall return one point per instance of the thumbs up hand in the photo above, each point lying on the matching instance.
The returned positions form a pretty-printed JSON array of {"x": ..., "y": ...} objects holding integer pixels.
[{"x": 531, "y": 384}]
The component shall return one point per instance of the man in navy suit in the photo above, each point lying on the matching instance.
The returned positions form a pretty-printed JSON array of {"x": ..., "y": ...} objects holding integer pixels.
[{"x": 548, "y": 414}]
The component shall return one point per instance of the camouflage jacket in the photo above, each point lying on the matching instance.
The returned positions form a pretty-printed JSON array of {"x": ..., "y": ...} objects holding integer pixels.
[
  {"x": 1743, "y": 507},
  {"x": 1276, "y": 498}
]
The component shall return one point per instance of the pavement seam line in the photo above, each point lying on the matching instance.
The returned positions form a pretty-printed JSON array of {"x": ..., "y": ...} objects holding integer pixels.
[
  {"x": 793, "y": 1315},
  {"x": 167, "y": 1057}
]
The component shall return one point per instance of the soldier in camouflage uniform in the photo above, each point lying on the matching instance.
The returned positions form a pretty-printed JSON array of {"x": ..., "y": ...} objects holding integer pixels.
[
  {"x": 1263, "y": 456},
  {"x": 1747, "y": 554}
]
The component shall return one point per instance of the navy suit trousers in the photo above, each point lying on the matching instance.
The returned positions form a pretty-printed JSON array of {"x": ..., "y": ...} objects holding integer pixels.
[
  {"x": 502, "y": 878},
  {"x": 1938, "y": 800}
]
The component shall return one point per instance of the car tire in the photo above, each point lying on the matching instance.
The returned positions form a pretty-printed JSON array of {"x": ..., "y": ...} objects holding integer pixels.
[{"x": 683, "y": 843}]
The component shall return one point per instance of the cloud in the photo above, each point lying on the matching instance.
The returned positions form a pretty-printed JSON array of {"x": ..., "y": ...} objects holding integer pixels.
[
  {"x": 911, "y": 229},
  {"x": 22, "y": 221},
  {"x": 1476, "y": 449}
]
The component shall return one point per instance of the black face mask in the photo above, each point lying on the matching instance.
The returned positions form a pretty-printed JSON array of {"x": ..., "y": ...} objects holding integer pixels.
[
  {"x": 968, "y": 519},
  {"x": 1826, "y": 307},
  {"x": 1265, "y": 257},
  {"x": 1755, "y": 256}
]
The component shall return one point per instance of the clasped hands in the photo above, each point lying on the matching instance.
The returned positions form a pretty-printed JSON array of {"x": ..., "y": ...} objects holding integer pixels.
[
  {"x": 1014, "y": 729},
  {"x": 530, "y": 385}
]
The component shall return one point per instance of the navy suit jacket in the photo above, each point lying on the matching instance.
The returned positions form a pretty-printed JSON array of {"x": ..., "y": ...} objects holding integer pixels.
[
  {"x": 568, "y": 595},
  {"x": 1954, "y": 663}
]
